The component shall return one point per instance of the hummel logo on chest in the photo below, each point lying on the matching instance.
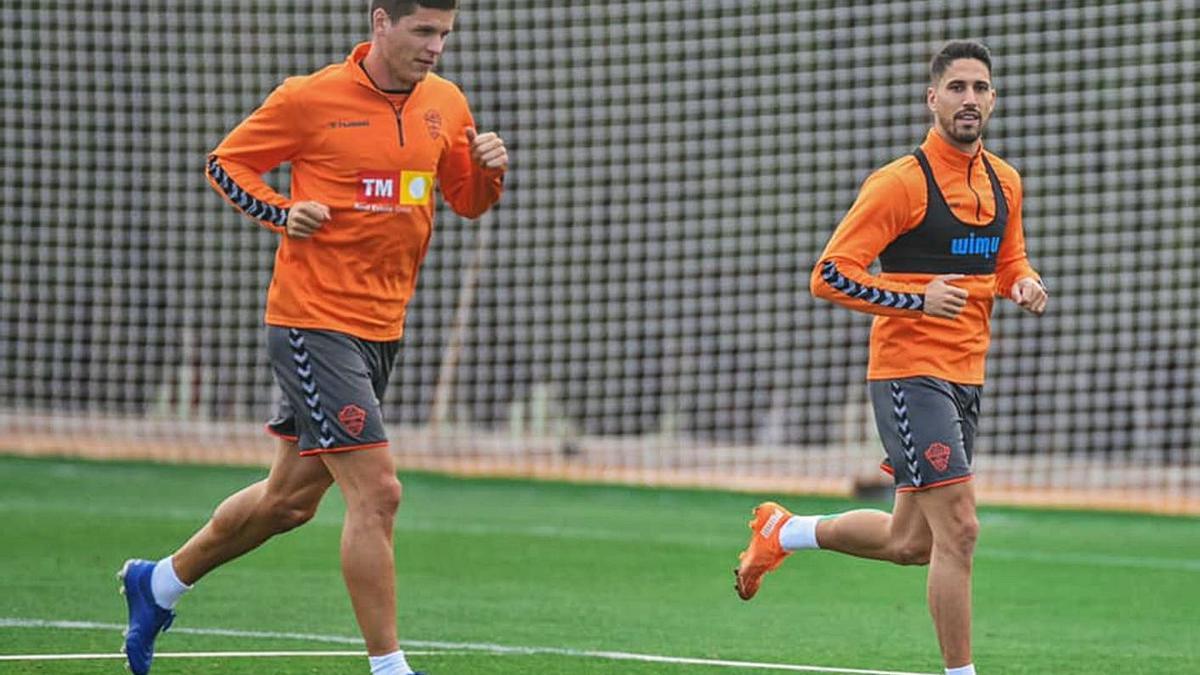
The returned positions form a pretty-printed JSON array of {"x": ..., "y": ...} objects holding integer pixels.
[{"x": 349, "y": 124}]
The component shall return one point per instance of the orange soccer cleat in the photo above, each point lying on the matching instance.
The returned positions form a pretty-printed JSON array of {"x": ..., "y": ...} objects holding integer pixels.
[{"x": 764, "y": 552}]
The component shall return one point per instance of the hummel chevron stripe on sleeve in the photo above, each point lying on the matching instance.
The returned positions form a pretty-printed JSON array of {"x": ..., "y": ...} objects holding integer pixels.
[
  {"x": 247, "y": 203},
  {"x": 876, "y": 296}
]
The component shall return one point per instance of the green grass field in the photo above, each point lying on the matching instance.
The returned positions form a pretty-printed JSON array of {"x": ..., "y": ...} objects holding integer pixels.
[{"x": 552, "y": 575}]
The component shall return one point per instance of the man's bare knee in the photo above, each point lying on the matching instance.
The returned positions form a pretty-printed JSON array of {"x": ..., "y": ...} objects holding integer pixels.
[
  {"x": 960, "y": 536},
  {"x": 288, "y": 508},
  {"x": 388, "y": 496},
  {"x": 911, "y": 554},
  {"x": 288, "y": 514},
  {"x": 379, "y": 499},
  {"x": 966, "y": 533}
]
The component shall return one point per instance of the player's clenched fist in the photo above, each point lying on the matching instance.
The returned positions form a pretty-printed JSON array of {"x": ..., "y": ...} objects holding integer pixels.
[
  {"x": 944, "y": 300},
  {"x": 487, "y": 150},
  {"x": 1030, "y": 295},
  {"x": 305, "y": 218}
]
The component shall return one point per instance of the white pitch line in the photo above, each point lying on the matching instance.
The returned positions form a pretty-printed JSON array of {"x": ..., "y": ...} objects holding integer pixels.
[
  {"x": 186, "y": 655},
  {"x": 183, "y": 630},
  {"x": 441, "y": 647}
]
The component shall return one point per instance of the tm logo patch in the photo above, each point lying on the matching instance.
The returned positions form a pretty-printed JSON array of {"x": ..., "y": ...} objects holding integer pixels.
[
  {"x": 389, "y": 191},
  {"x": 376, "y": 190},
  {"x": 971, "y": 245}
]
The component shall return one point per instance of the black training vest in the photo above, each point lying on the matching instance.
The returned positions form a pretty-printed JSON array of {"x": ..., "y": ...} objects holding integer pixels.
[{"x": 943, "y": 244}]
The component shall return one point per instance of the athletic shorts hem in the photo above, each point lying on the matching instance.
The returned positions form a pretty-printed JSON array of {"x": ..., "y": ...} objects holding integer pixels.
[
  {"x": 276, "y": 434},
  {"x": 930, "y": 486},
  {"x": 345, "y": 448}
]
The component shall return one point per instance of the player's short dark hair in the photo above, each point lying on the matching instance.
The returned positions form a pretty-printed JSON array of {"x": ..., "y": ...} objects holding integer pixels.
[
  {"x": 958, "y": 49},
  {"x": 399, "y": 8}
]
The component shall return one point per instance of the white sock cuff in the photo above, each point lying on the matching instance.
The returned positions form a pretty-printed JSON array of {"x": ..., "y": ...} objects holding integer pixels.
[
  {"x": 165, "y": 584},
  {"x": 968, "y": 669},
  {"x": 799, "y": 532},
  {"x": 389, "y": 664}
]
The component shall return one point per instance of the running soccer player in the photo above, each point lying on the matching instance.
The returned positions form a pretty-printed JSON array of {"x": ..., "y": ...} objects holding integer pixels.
[
  {"x": 368, "y": 140},
  {"x": 945, "y": 225}
]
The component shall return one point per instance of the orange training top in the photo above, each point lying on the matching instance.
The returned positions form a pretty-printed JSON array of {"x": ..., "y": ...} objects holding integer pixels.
[
  {"x": 375, "y": 167},
  {"x": 893, "y": 201}
]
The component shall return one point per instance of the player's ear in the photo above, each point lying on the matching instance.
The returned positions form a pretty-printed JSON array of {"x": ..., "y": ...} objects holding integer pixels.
[
  {"x": 380, "y": 21},
  {"x": 931, "y": 98}
]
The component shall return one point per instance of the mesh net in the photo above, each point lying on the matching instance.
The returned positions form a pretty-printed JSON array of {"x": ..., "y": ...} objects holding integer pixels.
[{"x": 636, "y": 308}]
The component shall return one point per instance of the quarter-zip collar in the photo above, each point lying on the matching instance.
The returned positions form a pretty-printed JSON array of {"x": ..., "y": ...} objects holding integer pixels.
[
  {"x": 955, "y": 165},
  {"x": 353, "y": 65},
  {"x": 939, "y": 151},
  {"x": 359, "y": 75}
]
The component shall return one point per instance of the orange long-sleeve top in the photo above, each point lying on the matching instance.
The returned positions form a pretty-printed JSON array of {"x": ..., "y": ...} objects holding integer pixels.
[
  {"x": 374, "y": 159},
  {"x": 905, "y": 342}
]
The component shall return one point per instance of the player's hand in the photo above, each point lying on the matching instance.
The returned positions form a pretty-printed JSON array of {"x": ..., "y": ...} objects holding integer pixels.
[
  {"x": 487, "y": 150},
  {"x": 944, "y": 300},
  {"x": 1030, "y": 295},
  {"x": 305, "y": 218}
]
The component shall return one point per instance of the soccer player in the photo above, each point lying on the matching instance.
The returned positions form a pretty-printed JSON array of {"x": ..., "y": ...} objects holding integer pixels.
[
  {"x": 368, "y": 139},
  {"x": 945, "y": 225}
]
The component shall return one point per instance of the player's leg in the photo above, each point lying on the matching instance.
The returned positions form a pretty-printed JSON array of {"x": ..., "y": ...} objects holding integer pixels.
[
  {"x": 902, "y": 536},
  {"x": 950, "y": 511},
  {"x": 934, "y": 424},
  {"x": 952, "y": 516},
  {"x": 286, "y": 499},
  {"x": 367, "y": 479},
  {"x": 293, "y": 489},
  {"x": 910, "y": 413},
  {"x": 340, "y": 381}
]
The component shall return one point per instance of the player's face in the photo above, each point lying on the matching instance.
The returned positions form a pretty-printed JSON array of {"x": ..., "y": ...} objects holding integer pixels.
[
  {"x": 412, "y": 44},
  {"x": 962, "y": 102}
]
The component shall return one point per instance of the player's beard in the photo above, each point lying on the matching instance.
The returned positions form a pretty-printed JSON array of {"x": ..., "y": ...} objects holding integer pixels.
[{"x": 966, "y": 136}]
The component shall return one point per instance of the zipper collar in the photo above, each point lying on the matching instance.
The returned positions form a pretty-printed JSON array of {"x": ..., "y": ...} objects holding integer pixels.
[
  {"x": 353, "y": 65},
  {"x": 940, "y": 151},
  {"x": 967, "y": 167}
]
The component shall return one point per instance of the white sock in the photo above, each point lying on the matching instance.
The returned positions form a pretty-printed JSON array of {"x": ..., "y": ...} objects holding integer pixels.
[
  {"x": 166, "y": 587},
  {"x": 968, "y": 669},
  {"x": 390, "y": 664},
  {"x": 799, "y": 532}
]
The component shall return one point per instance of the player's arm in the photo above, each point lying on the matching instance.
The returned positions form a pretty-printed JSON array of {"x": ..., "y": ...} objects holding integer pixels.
[
  {"x": 1015, "y": 277},
  {"x": 471, "y": 172},
  {"x": 271, "y": 135},
  {"x": 881, "y": 213}
]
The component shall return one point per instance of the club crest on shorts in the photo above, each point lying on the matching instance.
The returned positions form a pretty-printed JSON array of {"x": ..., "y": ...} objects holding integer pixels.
[
  {"x": 938, "y": 455},
  {"x": 353, "y": 419}
]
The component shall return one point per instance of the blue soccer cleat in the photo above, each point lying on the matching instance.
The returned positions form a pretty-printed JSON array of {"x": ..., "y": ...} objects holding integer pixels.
[{"x": 146, "y": 618}]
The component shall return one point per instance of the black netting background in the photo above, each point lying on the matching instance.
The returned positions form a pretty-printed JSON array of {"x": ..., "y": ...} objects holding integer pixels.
[{"x": 677, "y": 167}]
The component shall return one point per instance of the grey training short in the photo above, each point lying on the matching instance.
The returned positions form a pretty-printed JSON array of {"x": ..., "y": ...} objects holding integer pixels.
[
  {"x": 928, "y": 429},
  {"x": 332, "y": 384}
]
